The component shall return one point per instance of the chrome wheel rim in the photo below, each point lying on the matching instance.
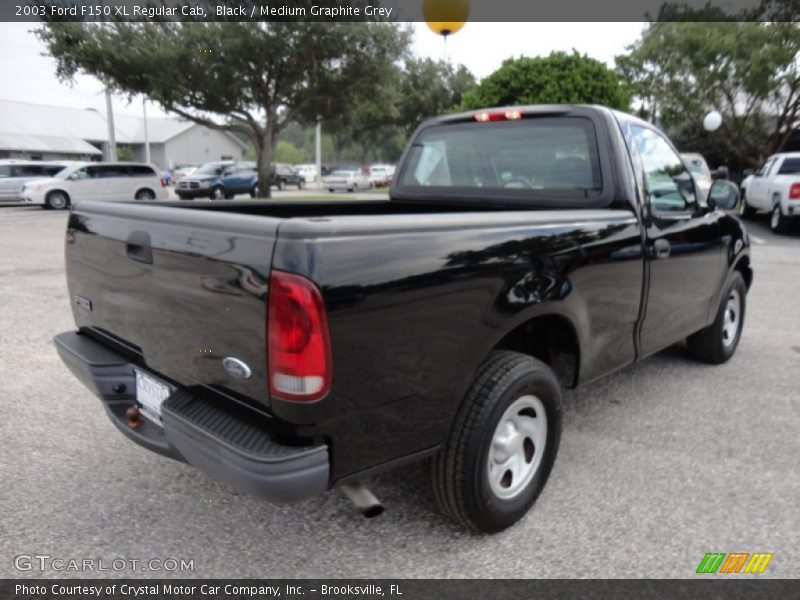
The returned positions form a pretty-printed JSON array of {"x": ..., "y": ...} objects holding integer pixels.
[
  {"x": 58, "y": 201},
  {"x": 218, "y": 194},
  {"x": 776, "y": 217},
  {"x": 742, "y": 206},
  {"x": 517, "y": 447},
  {"x": 732, "y": 318}
]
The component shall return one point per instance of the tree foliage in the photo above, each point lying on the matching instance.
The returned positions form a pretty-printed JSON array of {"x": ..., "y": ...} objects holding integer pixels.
[
  {"x": 559, "y": 78},
  {"x": 251, "y": 78},
  {"x": 748, "y": 71},
  {"x": 412, "y": 92}
]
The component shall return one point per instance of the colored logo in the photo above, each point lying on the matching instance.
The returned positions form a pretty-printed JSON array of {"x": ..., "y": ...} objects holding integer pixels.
[{"x": 735, "y": 562}]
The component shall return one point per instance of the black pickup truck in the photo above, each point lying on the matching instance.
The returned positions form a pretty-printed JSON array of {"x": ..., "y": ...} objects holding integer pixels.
[{"x": 287, "y": 348}]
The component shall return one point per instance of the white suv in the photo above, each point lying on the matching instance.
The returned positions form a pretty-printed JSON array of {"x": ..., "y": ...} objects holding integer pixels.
[{"x": 96, "y": 181}]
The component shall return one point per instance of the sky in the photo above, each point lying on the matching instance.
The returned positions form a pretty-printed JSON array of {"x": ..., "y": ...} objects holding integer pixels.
[{"x": 29, "y": 76}]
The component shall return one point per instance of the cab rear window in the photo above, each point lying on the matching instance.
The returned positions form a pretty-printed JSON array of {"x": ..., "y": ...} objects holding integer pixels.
[{"x": 541, "y": 156}]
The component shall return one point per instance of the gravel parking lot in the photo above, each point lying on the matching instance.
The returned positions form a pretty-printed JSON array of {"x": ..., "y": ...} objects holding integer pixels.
[{"x": 659, "y": 464}]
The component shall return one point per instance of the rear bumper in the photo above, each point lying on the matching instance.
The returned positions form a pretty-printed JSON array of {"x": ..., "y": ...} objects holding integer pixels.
[{"x": 227, "y": 442}]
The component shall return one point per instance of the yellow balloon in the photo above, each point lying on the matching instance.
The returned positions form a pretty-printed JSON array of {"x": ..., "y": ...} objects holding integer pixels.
[{"x": 445, "y": 17}]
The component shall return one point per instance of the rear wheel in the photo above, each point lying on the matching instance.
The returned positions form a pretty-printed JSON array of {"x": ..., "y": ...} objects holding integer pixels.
[
  {"x": 57, "y": 200},
  {"x": 503, "y": 444},
  {"x": 301, "y": 184},
  {"x": 777, "y": 222},
  {"x": 718, "y": 342},
  {"x": 745, "y": 210},
  {"x": 280, "y": 184},
  {"x": 145, "y": 195},
  {"x": 330, "y": 190}
]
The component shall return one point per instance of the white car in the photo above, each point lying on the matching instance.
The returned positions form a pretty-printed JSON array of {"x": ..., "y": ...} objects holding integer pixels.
[
  {"x": 701, "y": 174},
  {"x": 16, "y": 173},
  {"x": 96, "y": 181},
  {"x": 380, "y": 175},
  {"x": 346, "y": 179},
  {"x": 774, "y": 189},
  {"x": 307, "y": 171}
]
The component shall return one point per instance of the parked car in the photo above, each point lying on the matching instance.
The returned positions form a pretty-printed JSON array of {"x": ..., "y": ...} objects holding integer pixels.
[
  {"x": 522, "y": 250},
  {"x": 381, "y": 175},
  {"x": 346, "y": 179},
  {"x": 107, "y": 181},
  {"x": 219, "y": 180},
  {"x": 16, "y": 173},
  {"x": 698, "y": 167},
  {"x": 307, "y": 171},
  {"x": 182, "y": 172},
  {"x": 284, "y": 176},
  {"x": 774, "y": 189}
]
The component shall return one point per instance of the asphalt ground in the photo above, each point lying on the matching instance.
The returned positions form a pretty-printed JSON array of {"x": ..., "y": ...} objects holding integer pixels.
[{"x": 659, "y": 463}]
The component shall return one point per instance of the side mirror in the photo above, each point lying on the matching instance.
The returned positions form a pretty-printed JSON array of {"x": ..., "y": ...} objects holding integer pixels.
[
  {"x": 721, "y": 173},
  {"x": 723, "y": 194}
]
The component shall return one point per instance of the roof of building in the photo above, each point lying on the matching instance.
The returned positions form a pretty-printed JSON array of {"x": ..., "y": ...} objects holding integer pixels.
[{"x": 40, "y": 127}]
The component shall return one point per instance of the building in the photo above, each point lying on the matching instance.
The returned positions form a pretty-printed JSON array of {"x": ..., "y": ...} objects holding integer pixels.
[{"x": 37, "y": 131}]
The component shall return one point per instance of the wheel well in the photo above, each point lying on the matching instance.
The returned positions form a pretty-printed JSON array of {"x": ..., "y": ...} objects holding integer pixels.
[
  {"x": 144, "y": 189},
  {"x": 551, "y": 339},
  {"x": 743, "y": 266}
]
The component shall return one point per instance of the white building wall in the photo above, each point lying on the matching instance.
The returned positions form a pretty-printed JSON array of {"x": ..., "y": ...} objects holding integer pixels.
[{"x": 199, "y": 145}]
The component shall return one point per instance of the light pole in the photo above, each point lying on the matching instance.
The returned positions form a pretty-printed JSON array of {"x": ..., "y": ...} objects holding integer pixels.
[
  {"x": 112, "y": 140},
  {"x": 318, "y": 150}
]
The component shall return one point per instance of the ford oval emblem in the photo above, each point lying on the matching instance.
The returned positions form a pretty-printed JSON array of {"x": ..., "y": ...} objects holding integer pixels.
[{"x": 236, "y": 368}]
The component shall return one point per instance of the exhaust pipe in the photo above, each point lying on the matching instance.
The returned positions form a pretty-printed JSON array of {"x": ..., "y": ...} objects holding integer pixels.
[{"x": 362, "y": 499}]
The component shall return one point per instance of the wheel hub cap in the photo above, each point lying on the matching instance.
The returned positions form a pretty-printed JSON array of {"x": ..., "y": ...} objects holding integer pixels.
[
  {"x": 517, "y": 447},
  {"x": 730, "y": 323}
]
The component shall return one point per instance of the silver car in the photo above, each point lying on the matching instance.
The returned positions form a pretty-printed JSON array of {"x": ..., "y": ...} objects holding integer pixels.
[{"x": 15, "y": 173}]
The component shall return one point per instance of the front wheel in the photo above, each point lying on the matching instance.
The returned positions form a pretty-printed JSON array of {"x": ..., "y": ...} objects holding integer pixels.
[
  {"x": 777, "y": 222},
  {"x": 301, "y": 184},
  {"x": 254, "y": 191},
  {"x": 717, "y": 343},
  {"x": 503, "y": 444},
  {"x": 217, "y": 193},
  {"x": 57, "y": 200}
]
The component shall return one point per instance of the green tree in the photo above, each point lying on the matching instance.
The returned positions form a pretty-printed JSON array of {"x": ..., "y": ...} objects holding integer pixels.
[
  {"x": 287, "y": 152},
  {"x": 748, "y": 71},
  {"x": 377, "y": 126},
  {"x": 251, "y": 78},
  {"x": 428, "y": 88},
  {"x": 560, "y": 78}
]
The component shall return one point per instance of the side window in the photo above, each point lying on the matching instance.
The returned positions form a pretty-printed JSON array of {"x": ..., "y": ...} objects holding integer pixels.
[
  {"x": 53, "y": 170},
  {"x": 141, "y": 171},
  {"x": 5, "y": 171},
  {"x": 84, "y": 173},
  {"x": 790, "y": 166},
  {"x": 670, "y": 186},
  {"x": 26, "y": 171},
  {"x": 108, "y": 171}
]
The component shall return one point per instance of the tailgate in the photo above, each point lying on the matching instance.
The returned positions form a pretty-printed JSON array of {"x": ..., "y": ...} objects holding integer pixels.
[{"x": 184, "y": 287}]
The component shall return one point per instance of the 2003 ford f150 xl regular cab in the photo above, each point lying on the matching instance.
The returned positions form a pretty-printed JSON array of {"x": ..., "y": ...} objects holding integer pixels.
[{"x": 290, "y": 347}]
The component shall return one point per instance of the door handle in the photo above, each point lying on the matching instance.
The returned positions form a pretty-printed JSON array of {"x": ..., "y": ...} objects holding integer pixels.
[
  {"x": 662, "y": 248},
  {"x": 137, "y": 247}
]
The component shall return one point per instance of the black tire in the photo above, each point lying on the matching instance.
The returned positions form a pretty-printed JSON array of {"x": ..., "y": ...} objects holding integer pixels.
[
  {"x": 144, "y": 195},
  {"x": 712, "y": 345},
  {"x": 460, "y": 471},
  {"x": 254, "y": 191},
  {"x": 778, "y": 223},
  {"x": 280, "y": 184},
  {"x": 745, "y": 210},
  {"x": 301, "y": 184},
  {"x": 57, "y": 200},
  {"x": 330, "y": 190},
  {"x": 217, "y": 192}
]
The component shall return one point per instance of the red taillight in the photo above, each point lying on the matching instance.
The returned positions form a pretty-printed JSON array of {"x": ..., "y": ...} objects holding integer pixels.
[
  {"x": 794, "y": 191},
  {"x": 164, "y": 181},
  {"x": 508, "y": 115},
  {"x": 299, "y": 349}
]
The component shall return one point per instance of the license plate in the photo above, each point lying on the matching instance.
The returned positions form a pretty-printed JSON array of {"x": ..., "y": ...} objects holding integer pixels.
[{"x": 150, "y": 395}]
